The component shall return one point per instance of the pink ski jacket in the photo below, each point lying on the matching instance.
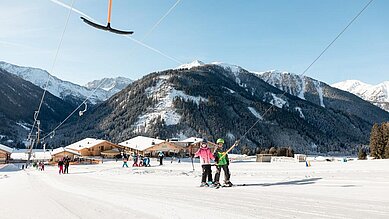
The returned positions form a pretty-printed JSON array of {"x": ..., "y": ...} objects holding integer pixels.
[{"x": 205, "y": 155}]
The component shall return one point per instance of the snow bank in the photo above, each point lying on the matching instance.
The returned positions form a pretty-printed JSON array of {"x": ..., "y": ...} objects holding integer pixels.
[{"x": 9, "y": 168}]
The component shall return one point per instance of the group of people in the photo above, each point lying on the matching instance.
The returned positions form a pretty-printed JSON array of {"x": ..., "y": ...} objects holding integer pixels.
[
  {"x": 64, "y": 162},
  {"x": 138, "y": 160},
  {"x": 40, "y": 165},
  {"x": 221, "y": 163}
]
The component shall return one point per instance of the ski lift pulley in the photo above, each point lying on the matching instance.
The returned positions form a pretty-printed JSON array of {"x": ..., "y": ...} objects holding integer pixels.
[
  {"x": 81, "y": 113},
  {"x": 108, "y": 27}
]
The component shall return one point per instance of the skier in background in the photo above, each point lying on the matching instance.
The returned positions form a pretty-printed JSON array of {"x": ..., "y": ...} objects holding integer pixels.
[
  {"x": 125, "y": 159},
  {"x": 60, "y": 165},
  {"x": 161, "y": 155},
  {"x": 66, "y": 163}
]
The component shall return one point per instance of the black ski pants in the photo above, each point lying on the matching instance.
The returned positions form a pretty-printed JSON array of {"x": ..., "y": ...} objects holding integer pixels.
[
  {"x": 226, "y": 173},
  {"x": 66, "y": 169},
  {"x": 207, "y": 172}
]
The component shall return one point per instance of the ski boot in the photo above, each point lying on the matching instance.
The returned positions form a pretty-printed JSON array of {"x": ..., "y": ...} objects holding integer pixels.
[
  {"x": 217, "y": 185},
  {"x": 210, "y": 184},
  {"x": 228, "y": 184},
  {"x": 204, "y": 184}
]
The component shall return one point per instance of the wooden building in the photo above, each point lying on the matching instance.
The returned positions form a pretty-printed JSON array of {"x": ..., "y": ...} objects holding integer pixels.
[
  {"x": 139, "y": 144},
  {"x": 59, "y": 153},
  {"x": 264, "y": 158},
  {"x": 169, "y": 148},
  {"x": 192, "y": 148},
  {"x": 5, "y": 154},
  {"x": 91, "y": 146}
]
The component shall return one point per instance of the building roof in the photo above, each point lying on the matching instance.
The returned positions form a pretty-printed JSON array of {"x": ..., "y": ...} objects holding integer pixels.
[
  {"x": 192, "y": 140},
  {"x": 35, "y": 155},
  {"x": 166, "y": 146},
  {"x": 6, "y": 149},
  {"x": 62, "y": 149},
  {"x": 140, "y": 143},
  {"x": 84, "y": 143}
]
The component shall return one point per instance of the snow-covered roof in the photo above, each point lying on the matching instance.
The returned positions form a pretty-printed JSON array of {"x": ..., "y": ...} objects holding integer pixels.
[
  {"x": 84, "y": 143},
  {"x": 62, "y": 149},
  {"x": 5, "y": 148},
  {"x": 140, "y": 143},
  {"x": 35, "y": 155},
  {"x": 192, "y": 140}
]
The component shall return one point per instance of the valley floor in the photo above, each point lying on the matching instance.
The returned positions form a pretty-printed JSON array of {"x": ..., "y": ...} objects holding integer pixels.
[{"x": 354, "y": 189}]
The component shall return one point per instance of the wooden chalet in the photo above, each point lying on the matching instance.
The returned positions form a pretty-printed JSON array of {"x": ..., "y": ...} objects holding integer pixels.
[
  {"x": 5, "y": 154},
  {"x": 91, "y": 146}
]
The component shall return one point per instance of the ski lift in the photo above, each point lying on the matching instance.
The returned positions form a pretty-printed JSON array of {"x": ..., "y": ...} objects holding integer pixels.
[
  {"x": 81, "y": 113},
  {"x": 108, "y": 27},
  {"x": 36, "y": 115},
  {"x": 52, "y": 134}
]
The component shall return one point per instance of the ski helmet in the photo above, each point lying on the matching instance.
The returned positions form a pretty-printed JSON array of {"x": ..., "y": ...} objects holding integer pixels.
[{"x": 220, "y": 140}]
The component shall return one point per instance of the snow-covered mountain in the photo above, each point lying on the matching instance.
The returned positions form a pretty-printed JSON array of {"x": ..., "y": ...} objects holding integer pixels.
[
  {"x": 296, "y": 85},
  {"x": 222, "y": 100},
  {"x": 376, "y": 94},
  {"x": 64, "y": 89},
  {"x": 111, "y": 85},
  {"x": 195, "y": 63}
]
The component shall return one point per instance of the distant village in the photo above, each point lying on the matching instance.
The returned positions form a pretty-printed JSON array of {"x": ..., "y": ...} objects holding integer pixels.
[{"x": 95, "y": 150}]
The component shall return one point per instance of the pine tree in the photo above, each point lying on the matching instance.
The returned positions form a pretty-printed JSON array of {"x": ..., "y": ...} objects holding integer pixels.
[
  {"x": 377, "y": 145},
  {"x": 387, "y": 150},
  {"x": 373, "y": 140},
  {"x": 385, "y": 134},
  {"x": 361, "y": 154}
]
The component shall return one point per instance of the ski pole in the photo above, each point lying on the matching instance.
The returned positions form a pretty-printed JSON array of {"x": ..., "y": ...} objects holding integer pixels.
[{"x": 229, "y": 149}]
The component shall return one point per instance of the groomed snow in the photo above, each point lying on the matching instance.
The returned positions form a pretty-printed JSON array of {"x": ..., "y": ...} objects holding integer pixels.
[{"x": 355, "y": 189}]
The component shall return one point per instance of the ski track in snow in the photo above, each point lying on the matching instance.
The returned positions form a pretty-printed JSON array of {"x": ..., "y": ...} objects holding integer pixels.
[{"x": 278, "y": 190}]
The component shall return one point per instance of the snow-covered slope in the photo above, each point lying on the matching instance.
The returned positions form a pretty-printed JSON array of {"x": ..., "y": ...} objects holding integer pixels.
[
  {"x": 111, "y": 85},
  {"x": 299, "y": 86},
  {"x": 292, "y": 83},
  {"x": 195, "y": 63},
  {"x": 164, "y": 93},
  {"x": 56, "y": 86},
  {"x": 376, "y": 94}
]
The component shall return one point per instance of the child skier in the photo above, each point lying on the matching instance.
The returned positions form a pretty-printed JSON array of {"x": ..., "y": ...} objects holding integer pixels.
[
  {"x": 205, "y": 155},
  {"x": 60, "y": 165},
  {"x": 222, "y": 162},
  {"x": 125, "y": 159}
]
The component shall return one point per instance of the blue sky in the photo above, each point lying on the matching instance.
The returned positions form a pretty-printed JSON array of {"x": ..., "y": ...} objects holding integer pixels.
[{"x": 257, "y": 35}]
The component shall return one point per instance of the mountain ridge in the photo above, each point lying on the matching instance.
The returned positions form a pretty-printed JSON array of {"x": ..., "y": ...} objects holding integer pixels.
[
  {"x": 65, "y": 90},
  {"x": 376, "y": 94},
  {"x": 214, "y": 101}
]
